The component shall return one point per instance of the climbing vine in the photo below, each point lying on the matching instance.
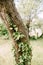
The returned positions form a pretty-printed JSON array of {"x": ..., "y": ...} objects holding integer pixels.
[
  {"x": 24, "y": 48},
  {"x": 24, "y": 51}
]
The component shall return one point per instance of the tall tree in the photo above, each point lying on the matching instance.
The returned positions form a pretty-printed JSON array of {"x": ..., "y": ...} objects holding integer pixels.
[{"x": 22, "y": 49}]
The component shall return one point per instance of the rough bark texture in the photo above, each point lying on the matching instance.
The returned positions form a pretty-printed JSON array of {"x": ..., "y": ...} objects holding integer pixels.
[{"x": 8, "y": 7}]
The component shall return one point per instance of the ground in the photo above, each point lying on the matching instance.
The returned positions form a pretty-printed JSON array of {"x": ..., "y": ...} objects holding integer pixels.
[
  {"x": 37, "y": 51},
  {"x": 6, "y": 54}
]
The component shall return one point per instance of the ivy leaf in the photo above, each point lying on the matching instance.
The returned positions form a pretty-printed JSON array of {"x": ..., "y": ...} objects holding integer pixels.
[
  {"x": 21, "y": 44},
  {"x": 20, "y": 59},
  {"x": 22, "y": 35},
  {"x": 16, "y": 29},
  {"x": 10, "y": 28},
  {"x": 14, "y": 26},
  {"x": 18, "y": 37},
  {"x": 14, "y": 34}
]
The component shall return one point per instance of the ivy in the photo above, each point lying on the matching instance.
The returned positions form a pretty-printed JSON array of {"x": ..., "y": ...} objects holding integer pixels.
[{"x": 24, "y": 48}]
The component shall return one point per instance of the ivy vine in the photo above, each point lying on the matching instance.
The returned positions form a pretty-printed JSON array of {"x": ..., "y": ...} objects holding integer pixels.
[{"x": 24, "y": 48}]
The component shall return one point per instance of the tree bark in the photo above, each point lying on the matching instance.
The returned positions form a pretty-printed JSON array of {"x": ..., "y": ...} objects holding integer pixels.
[{"x": 8, "y": 7}]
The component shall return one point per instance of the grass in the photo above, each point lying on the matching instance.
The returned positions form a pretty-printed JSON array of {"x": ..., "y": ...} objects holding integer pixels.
[
  {"x": 6, "y": 55},
  {"x": 37, "y": 51}
]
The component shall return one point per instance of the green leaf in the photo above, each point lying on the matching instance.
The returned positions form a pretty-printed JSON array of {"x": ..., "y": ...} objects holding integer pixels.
[
  {"x": 21, "y": 36},
  {"x": 16, "y": 29}
]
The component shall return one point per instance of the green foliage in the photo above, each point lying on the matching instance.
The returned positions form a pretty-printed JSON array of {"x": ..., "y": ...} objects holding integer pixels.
[
  {"x": 3, "y": 31},
  {"x": 24, "y": 48},
  {"x": 17, "y": 35},
  {"x": 26, "y": 55}
]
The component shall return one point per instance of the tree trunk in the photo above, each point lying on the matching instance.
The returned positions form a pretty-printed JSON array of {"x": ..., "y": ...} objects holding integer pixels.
[{"x": 7, "y": 7}]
